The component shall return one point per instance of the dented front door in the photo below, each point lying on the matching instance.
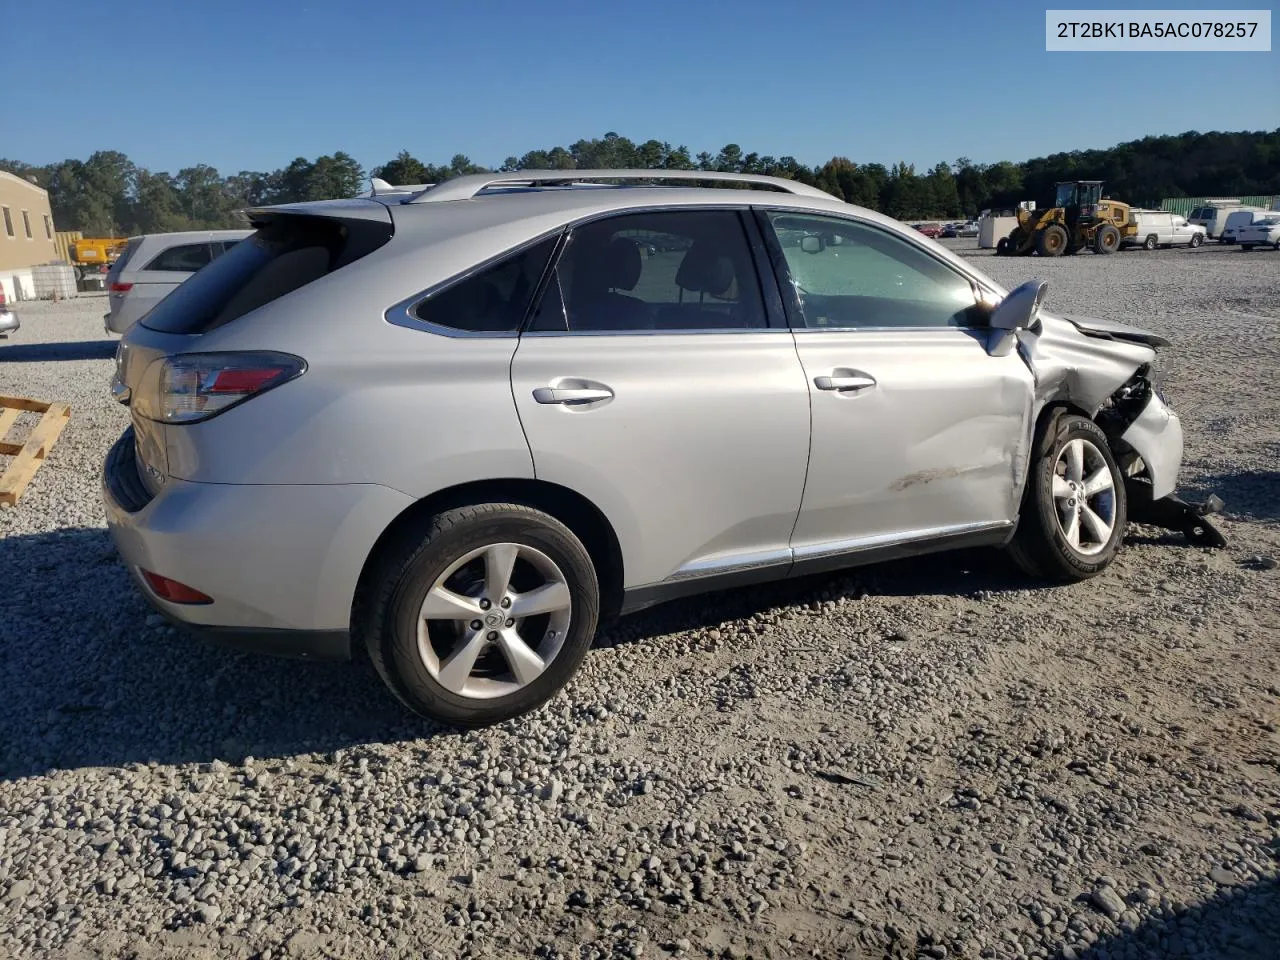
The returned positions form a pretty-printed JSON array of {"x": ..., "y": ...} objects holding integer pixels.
[{"x": 916, "y": 434}]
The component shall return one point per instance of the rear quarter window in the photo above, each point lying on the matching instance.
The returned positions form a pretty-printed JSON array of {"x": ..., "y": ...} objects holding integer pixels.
[{"x": 285, "y": 254}]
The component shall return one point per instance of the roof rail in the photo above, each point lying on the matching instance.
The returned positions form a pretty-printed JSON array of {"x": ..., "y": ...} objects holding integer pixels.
[{"x": 466, "y": 187}]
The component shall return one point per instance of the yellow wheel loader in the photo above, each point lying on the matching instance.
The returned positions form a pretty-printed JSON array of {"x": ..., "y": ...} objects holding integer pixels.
[{"x": 1080, "y": 217}]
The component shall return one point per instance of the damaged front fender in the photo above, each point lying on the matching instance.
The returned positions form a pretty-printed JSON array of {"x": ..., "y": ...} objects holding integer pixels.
[{"x": 1102, "y": 369}]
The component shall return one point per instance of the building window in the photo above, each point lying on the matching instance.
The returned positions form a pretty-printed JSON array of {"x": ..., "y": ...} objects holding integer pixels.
[
  {"x": 26, "y": 223},
  {"x": 8, "y": 221},
  {"x": 48, "y": 227}
]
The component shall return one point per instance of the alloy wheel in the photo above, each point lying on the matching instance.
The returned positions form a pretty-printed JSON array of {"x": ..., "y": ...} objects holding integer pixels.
[
  {"x": 494, "y": 620},
  {"x": 1084, "y": 494}
]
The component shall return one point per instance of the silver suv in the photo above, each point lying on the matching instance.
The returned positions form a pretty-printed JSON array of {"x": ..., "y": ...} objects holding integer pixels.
[{"x": 458, "y": 426}]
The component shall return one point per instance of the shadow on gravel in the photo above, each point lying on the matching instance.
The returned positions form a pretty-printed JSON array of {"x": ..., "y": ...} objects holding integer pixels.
[
  {"x": 89, "y": 681},
  {"x": 71, "y": 350},
  {"x": 1240, "y": 923},
  {"x": 958, "y": 573},
  {"x": 92, "y": 678},
  {"x": 1251, "y": 494}
]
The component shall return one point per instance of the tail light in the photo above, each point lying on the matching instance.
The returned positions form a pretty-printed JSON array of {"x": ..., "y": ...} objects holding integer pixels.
[
  {"x": 197, "y": 386},
  {"x": 121, "y": 287}
]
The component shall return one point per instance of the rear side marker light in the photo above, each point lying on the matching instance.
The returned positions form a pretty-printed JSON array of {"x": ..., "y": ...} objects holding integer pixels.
[
  {"x": 173, "y": 591},
  {"x": 121, "y": 287}
]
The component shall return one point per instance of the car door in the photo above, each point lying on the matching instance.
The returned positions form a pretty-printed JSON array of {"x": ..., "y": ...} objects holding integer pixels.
[
  {"x": 654, "y": 382},
  {"x": 918, "y": 432}
]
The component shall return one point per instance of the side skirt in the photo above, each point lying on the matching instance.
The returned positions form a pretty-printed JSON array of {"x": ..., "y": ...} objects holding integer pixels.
[{"x": 640, "y": 598}]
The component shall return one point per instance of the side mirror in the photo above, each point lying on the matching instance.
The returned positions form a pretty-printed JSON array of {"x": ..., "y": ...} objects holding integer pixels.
[
  {"x": 1019, "y": 310},
  {"x": 811, "y": 244}
]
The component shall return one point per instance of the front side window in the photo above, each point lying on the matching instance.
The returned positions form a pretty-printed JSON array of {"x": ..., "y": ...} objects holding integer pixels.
[
  {"x": 8, "y": 221},
  {"x": 493, "y": 299},
  {"x": 186, "y": 258},
  {"x": 677, "y": 270},
  {"x": 26, "y": 223},
  {"x": 48, "y": 227},
  {"x": 853, "y": 275}
]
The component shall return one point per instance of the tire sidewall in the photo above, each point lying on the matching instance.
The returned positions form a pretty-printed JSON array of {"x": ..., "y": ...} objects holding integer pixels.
[
  {"x": 414, "y": 682},
  {"x": 1069, "y": 561}
]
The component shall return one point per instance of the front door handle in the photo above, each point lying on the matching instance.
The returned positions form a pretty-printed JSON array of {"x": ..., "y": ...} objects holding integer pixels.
[
  {"x": 571, "y": 395},
  {"x": 839, "y": 381}
]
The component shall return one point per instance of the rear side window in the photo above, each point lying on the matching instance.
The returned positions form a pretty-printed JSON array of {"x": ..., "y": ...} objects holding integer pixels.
[
  {"x": 492, "y": 300},
  {"x": 285, "y": 254},
  {"x": 184, "y": 258}
]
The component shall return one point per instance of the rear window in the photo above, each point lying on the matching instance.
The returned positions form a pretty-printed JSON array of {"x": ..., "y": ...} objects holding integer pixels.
[{"x": 285, "y": 254}]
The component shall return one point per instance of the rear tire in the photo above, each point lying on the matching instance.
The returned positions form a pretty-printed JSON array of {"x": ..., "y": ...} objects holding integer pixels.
[
  {"x": 449, "y": 669},
  {"x": 1151, "y": 242},
  {"x": 1051, "y": 241},
  {"x": 1246, "y": 247},
  {"x": 1073, "y": 512},
  {"x": 1107, "y": 239},
  {"x": 1004, "y": 247}
]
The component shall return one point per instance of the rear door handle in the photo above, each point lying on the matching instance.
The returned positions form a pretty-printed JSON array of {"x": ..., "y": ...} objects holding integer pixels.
[
  {"x": 844, "y": 382},
  {"x": 571, "y": 395}
]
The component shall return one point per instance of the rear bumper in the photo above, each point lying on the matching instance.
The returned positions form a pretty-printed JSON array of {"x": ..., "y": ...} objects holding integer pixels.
[{"x": 280, "y": 562}]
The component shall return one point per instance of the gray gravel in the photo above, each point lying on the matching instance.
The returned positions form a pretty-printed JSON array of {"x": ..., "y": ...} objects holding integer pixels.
[{"x": 927, "y": 759}]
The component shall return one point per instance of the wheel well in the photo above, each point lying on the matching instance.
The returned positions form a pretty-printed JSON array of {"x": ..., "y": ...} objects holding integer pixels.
[{"x": 572, "y": 509}]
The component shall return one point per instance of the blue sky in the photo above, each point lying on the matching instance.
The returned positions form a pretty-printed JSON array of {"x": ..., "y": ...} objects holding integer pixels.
[{"x": 251, "y": 85}]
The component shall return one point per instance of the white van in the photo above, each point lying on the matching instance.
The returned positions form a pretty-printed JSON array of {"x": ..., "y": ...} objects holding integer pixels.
[
  {"x": 154, "y": 265},
  {"x": 1159, "y": 228},
  {"x": 1237, "y": 219},
  {"x": 1214, "y": 217}
]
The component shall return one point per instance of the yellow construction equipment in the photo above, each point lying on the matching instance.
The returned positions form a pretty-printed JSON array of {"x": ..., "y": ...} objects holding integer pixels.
[
  {"x": 1080, "y": 217},
  {"x": 96, "y": 251}
]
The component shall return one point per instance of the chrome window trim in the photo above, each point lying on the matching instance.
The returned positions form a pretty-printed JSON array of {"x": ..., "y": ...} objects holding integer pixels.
[{"x": 401, "y": 314}]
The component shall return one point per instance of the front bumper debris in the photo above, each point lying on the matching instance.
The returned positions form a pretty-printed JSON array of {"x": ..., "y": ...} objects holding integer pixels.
[{"x": 1174, "y": 513}]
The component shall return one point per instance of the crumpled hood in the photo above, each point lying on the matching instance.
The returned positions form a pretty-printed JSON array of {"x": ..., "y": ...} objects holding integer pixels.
[
  {"x": 1113, "y": 330},
  {"x": 1084, "y": 360}
]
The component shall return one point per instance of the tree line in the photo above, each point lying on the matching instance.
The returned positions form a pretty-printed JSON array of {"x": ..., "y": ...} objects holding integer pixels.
[{"x": 109, "y": 195}]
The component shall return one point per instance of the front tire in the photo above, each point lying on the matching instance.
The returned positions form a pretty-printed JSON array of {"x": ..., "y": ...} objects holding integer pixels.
[
  {"x": 1107, "y": 239},
  {"x": 1196, "y": 240},
  {"x": 1073, "y": 511},
  {"x": 481, "y": 613},
  {"x": 1051, "y": 241}
]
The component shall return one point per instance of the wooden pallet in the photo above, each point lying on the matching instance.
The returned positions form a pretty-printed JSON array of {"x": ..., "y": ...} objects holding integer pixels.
[{"x": 27, "y": 456}]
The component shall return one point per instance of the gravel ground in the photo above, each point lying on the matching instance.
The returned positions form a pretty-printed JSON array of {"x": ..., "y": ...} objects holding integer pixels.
[{"x": 928, "y": 759}]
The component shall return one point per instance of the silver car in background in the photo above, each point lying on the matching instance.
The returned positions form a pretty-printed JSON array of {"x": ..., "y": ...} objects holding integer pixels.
[
  {"x": 456, "y": 427},
  {"x": 152, "y": 267}
]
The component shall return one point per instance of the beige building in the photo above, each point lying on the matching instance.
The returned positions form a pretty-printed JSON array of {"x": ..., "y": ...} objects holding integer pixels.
[{"x": 26, "y": 234}]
